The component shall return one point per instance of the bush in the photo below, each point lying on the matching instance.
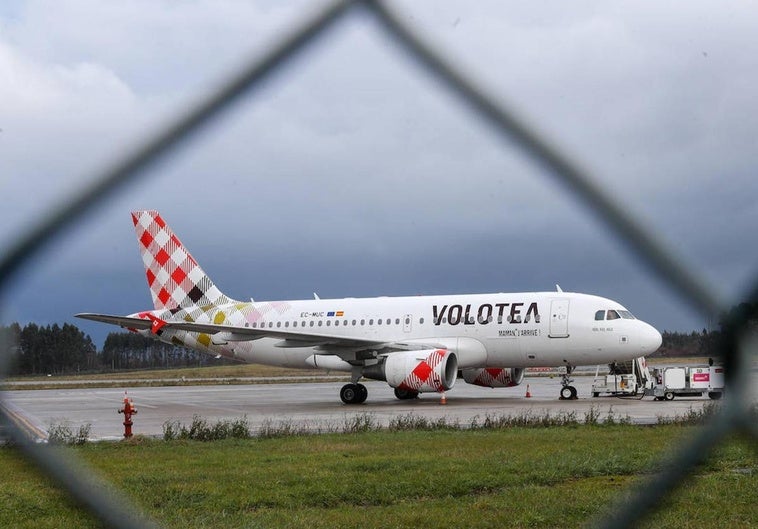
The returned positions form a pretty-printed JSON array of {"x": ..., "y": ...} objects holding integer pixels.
[
  {"x": 63, "y": 434},
  {"x": 200, "y": 430}
]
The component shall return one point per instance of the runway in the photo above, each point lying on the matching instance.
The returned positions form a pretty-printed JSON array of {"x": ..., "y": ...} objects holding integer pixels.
[{"x": 315, "y": 406}]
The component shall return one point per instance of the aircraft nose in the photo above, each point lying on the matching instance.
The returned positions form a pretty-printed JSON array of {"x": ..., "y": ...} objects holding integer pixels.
[{"x": 650, "y": 339}]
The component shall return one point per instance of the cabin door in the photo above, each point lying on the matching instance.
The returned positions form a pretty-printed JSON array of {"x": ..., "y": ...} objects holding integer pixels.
[{"x": 559, "y": 314}]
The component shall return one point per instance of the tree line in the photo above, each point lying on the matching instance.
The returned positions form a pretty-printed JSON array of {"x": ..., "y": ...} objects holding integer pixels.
[
  {"x": 65, "y": 349},
  {"x": 706, "y": 343}
]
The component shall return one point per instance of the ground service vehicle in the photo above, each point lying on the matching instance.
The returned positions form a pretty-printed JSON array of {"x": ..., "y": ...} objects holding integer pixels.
[{"x": 687, "y": 381}]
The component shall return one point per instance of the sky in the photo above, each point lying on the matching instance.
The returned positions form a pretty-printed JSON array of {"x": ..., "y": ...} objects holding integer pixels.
[{"x": 353, "y": 173}]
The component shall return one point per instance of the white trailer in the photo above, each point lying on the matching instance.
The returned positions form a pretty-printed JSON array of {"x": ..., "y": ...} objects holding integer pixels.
[{"x": 687, "y": 381}]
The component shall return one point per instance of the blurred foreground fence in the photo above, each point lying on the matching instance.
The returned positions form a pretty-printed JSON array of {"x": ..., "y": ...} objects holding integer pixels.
[{"x": 737, "y": 351}]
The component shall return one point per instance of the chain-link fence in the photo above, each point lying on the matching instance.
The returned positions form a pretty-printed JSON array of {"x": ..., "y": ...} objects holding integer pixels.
[{"x": 737, "y": 349}]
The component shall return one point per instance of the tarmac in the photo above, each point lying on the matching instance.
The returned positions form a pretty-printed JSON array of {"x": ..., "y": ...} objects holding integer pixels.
[{"x": 316, "y": 406}]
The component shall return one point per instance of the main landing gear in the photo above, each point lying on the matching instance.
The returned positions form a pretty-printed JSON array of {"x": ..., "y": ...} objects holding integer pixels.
[
  {"x": 568, "y": 392},
  {"x": 354, "y": 393}
]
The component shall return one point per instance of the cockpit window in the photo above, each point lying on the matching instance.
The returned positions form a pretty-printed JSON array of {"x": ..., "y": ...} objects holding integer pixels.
[{"x": 613, "y": 315}]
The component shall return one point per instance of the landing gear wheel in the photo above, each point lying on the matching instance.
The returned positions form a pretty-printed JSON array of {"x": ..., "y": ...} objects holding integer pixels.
[
  {"x": 714, "y": 395},
  {"x": 362, "y": 394},
  {"x": 668, "y": 395},
  {"x": 405, "y": 394},
  {"x": 568, "y": 393},
  {"x": 353, "y": 394}
]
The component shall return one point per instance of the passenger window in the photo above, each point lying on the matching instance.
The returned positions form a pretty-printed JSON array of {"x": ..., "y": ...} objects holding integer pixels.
[
  {"x": 379, "y": 321},
  {"x": 286, "y": 324},
  {"x": 311, "y": 323},
  {"x": 600, "y": 315},
  {"x": 353, "y": 322},
  {"x": 371, "y": 321},
  {"x": 397, "y": 321},
  {"x": 363, "y": 322},
  {"x": 278, "y": 324},
  {"x": 613, "y": 315},
  {"x": 328, "y": 323},
  {"x": 421, "y": 320},
  {"x": 320, "y": 323}
]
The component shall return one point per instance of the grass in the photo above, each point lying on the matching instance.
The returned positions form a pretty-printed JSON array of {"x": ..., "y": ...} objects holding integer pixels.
[
  {"x": 231, "y": 374},
  {"x": 515, "y": 477},
  {"x": 235, "y": 371}
]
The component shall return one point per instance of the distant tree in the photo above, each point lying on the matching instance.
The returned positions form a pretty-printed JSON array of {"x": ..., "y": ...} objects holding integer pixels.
[
  {"x": 10, "y": 338},
  {"x": 134, "y": 351}
]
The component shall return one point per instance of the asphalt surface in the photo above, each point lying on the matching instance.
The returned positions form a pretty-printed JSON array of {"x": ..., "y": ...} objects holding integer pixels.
[{"x": 314, "y": 406}]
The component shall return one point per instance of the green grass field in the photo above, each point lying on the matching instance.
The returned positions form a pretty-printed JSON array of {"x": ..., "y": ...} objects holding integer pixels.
[{"x": 517, "y": 477}]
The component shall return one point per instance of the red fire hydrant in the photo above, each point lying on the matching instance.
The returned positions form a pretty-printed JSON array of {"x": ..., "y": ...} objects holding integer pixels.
[{"x": 128, "y": 411}]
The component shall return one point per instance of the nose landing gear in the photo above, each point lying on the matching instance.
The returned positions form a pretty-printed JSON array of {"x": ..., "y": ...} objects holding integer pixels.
[{"x": 568, "y": 392}]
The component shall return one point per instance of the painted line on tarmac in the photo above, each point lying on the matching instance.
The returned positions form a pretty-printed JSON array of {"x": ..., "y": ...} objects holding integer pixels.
[{"x": 23, "y": 423}]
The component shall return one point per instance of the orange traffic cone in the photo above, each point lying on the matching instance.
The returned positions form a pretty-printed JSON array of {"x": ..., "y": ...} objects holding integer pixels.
[
  {"x": 443, "y": 399},
  {"x": 528, "y": 393}
]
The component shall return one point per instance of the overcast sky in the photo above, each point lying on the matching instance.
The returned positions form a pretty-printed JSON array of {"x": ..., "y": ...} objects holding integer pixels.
[{"x": 353, "y": 173}]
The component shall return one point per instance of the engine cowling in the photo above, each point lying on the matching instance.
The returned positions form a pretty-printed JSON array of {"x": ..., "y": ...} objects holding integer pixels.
[
  {"x": 494, "y": 377},
  {"x": 423, "y": 371}
]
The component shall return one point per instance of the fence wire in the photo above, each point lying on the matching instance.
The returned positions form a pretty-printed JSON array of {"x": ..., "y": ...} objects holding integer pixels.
[{"x": 737, "y": 350}]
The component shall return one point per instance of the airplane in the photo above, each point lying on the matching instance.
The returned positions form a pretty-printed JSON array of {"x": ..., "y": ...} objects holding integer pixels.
[{"x": 417, "y": 344}]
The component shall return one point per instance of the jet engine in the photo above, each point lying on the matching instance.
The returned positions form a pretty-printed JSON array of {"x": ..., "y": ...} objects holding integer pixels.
[
  {"x": 429, "y": 370},
  {"x": 494, "y": 377}
]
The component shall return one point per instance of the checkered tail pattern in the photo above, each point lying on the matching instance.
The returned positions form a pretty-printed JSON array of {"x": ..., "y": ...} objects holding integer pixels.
[{"x": 174, "y": 277}]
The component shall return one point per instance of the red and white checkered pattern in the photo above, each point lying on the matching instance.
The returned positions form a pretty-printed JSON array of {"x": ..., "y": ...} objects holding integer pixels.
[
  {"x": 494, "y": 377},
  {"x": 174, "y": 277},
  {"x": 427, "y": 375}
]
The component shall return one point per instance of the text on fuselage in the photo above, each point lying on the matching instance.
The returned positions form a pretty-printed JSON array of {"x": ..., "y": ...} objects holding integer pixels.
[{"x": 485, "y": 313}]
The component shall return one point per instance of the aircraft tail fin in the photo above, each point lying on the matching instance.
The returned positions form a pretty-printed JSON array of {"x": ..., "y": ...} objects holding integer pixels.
[{"x": 174, "y": 277}]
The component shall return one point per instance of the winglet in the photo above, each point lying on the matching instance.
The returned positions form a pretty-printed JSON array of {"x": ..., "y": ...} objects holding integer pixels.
[{"x": 558, "y": 288}]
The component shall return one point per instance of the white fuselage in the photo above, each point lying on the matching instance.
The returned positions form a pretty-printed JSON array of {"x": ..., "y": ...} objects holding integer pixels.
[{"x": 483, "y": 330}]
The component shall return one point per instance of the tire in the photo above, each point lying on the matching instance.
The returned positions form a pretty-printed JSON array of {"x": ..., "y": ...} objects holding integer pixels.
[
  {"x": 714, "y": 395},
  {"x": 573, "y": 392},
  {"x": 566, "y": 393},
  {"x": 669, "y": 395},
  {"x": 349, "y": 393},
  {"x": 362, "y": 394},
  {"x": 595, "y": 394}
]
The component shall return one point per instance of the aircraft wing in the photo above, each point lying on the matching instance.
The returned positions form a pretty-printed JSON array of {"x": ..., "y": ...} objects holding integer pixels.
[{"x": 328, "y": 343}]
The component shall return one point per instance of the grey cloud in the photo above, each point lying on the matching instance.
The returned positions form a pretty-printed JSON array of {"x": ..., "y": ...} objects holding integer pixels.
[{"x": 353, "y": 174}]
